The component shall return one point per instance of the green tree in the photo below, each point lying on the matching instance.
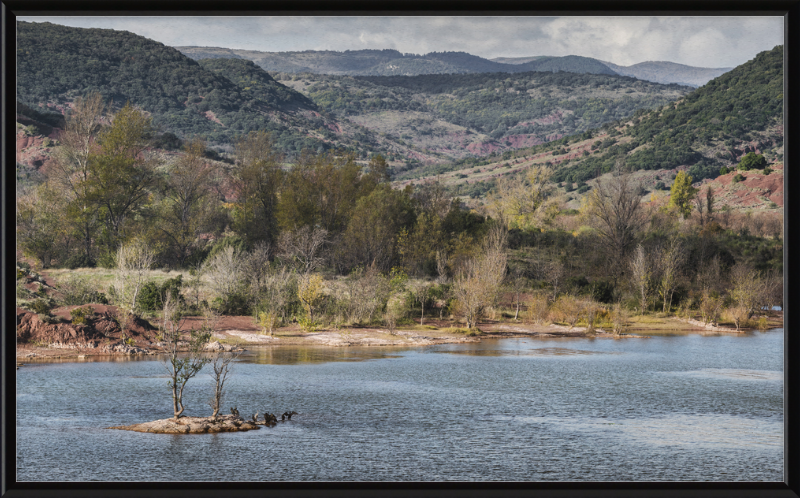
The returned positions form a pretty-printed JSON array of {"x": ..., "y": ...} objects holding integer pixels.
[
  {"x": 681, "y": 194},
  {"x": 40, "y": 223},
  {"x": 751, "y": 160},
  {"x": 122, "y": 172},
  {"x": 188, "y": 204},
  {"x": 72, "y": 172},
  {"x": 258, "y": 178}
]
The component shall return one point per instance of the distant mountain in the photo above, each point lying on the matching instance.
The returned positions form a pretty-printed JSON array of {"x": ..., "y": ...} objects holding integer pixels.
[
  {"x": 669, "y": 72},
  {"x": 394, "y": 63}
]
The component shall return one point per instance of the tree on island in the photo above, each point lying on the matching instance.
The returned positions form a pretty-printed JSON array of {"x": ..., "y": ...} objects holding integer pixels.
[{"x": 181, "y": 368}]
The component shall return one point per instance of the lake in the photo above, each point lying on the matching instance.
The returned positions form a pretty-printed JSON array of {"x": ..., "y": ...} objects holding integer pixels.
[{"x": 671, "y": 407}]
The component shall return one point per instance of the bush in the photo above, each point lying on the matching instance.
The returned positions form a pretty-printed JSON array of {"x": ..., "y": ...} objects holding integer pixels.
[
  {"x": 738, "y": 178},
  {"x": 41, "y": 306},
  {"x": 583, "y": 189},
  {"x": 767, "y": 171},
  {"x": 152, "y": 296},
  {"x": 723, "y": 170},
  {"x": 79, "y": 261},
  {"x": 538, "y": 309},
  {"x": 81, "y": 315},
  {"x": 77, "y": 290},
  {"x": 233, "y": 304}
]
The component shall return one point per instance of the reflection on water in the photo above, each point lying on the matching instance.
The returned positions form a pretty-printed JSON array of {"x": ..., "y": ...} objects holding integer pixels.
[
  {"x": 525, "y": 352},
  {"x": 672, "y": 407},
  {"x": 289, "y": 355}
]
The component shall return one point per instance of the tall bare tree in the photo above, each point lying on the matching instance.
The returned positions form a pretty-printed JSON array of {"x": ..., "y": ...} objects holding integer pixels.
[
  {"x": 188, "y": 201},
  {"x": 478, "y": 281},
  {"x": 672, "y": 258},
  {"x": 220, "y": 361},
  {"x": 641, "y": 274},
  {"x": 303, "y": 246},
  {"x": 614, "y": 207}
]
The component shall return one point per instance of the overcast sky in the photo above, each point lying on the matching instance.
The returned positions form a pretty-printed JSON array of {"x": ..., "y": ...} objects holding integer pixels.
[{"x": 696, "y": 41}]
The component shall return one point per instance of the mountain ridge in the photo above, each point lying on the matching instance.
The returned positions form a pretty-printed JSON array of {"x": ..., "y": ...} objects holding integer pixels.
[{"x": 391, "y": 62}]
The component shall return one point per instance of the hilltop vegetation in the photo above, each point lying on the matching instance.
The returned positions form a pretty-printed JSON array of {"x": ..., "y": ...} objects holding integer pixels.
[
  {"x": 57, "y": 64},
  {"x": 391, "y": 62},
  {"x": 740, "y": 111}
]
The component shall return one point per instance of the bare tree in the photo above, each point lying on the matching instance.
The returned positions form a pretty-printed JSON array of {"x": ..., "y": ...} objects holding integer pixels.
[
  {"x": 615, "y": 211},
  {"x": 421, "y": 291},
  {"x": 303, "y": 246},
  {"x": 224, "y": 271},
  {"x": 133, "y": 262},
  {"x": 554, "y": 274},
  {"x": 441, "y": 267},
  {"x": 641, "y": 274},
  {"x": 477, "y": 283},
  {"x": 180, "y": 368},
  {"x": 673, "y": 257},
  {"x": 220, "y": 361},
  {"x": 746, "y": 289},
  {"x": 517, "y": 283}
]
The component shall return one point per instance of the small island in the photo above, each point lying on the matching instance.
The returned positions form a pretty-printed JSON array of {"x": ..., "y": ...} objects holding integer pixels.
[{"x": 193, "y": 425}]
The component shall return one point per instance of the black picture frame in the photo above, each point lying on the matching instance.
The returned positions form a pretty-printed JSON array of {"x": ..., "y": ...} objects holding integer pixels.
[{"x": 790, "y": 9}]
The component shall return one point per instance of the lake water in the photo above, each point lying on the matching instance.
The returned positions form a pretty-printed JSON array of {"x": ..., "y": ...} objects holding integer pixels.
[{"x": 664, "y": 408}]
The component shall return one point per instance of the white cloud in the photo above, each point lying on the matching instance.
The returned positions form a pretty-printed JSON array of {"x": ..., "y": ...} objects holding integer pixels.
[{"x": 698, "y": 41}]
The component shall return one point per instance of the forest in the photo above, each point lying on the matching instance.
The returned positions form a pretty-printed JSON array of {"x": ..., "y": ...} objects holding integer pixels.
[{"x": 323, "y": 239}]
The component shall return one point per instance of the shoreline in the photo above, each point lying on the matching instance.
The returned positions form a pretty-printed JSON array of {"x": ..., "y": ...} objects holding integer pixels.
[{"x": 417, "y": 336}]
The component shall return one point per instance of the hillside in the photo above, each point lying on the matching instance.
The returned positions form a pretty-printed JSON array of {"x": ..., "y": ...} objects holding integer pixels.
[
  {"x": 477, "y": 114},
  {"x": 712, "y": 127},
  {"x": 56, "y": 64}
]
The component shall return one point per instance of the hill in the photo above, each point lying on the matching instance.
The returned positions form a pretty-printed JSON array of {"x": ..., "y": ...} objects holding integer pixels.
[
  {"x": 714, "y": 126},
  {"x": 458, "y": 116},
  {"x": 394, "y": 63},
  {"x": 669, "y": 72},
  {"x": 56, "y": 64}
]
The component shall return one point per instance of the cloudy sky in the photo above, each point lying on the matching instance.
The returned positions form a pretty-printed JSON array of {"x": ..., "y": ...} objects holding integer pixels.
[{"x": 696, "y": 41}]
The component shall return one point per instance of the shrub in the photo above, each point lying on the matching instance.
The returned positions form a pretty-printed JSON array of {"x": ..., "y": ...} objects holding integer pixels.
[
  {"x": 79, "y": 261},
  {"x": 723, "y": 170},
  {"x": 152, "y": 296},
  {"x": 81, "y": 315},
  {"x": 762, "y": 323},
  {"x": 41, "y": 306},
  {"x": 584, "y": 188},
  {"x": 738, "y": 178},
  {"x": 538, "y": 309},
  {"x": 307, "y": 324},
  {"x": 767, "y": 171},
  {"x": 76, "y": 290},
  {"x": 619, "y": 319}
]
